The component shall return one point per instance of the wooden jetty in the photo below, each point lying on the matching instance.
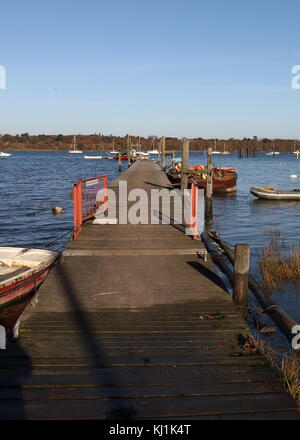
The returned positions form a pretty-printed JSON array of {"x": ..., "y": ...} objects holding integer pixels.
[{"x": 121, "y": 331}]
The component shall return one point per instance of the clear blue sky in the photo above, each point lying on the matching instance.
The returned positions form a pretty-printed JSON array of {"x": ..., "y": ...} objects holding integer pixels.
[{"x": 179, "y": 68}]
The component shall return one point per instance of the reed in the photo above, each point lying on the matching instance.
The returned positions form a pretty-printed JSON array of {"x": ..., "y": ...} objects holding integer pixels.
[
  {"x": 286, "y": 366},
  {"x": 290, "y": 373},
  {"x": 279, "y": 265}
]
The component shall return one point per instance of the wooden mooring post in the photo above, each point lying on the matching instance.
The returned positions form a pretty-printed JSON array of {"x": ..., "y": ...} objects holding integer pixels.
[
  {"x": 241, "y": 274},
  {"x": 119, "y": 161},
  {"x": 185, "y": 164},
  {"x": 209, "y": 187},
  {"x": 129, "y": 150},
  {"x": 163, "y": 153}
]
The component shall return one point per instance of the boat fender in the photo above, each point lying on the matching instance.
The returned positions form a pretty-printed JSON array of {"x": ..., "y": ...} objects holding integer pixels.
[{"x": 57, "y": 210}]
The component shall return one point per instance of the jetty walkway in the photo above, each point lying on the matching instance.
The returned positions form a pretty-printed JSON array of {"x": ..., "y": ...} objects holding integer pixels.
[{"x": 121, "y": 331}]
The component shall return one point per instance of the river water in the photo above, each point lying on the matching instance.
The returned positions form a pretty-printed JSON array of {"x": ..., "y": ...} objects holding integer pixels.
[{"x": 32, "y": 183}]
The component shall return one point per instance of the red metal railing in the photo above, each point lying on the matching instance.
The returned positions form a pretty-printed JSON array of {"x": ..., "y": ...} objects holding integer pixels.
[
  {"x": 194, "y": 211},
  {"x": 86, "y": 200}
]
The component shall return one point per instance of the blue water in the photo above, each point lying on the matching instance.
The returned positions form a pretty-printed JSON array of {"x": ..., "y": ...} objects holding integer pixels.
[{"x": 32, "y": 183}]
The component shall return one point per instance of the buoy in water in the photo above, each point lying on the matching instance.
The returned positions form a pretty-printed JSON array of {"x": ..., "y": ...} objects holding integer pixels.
[{"x": 57, "y": 210}]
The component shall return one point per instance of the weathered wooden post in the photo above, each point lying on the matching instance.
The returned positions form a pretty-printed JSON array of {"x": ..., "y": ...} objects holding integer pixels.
[
  {"x": 163, "y": 152},
  {"x": 209, "y": 187},
  {"x": 185, "y": 164},
  {"x": 119, "y": 161},
  {"x": 129, "y": 151},
  {"x": 241, "y": 274}
]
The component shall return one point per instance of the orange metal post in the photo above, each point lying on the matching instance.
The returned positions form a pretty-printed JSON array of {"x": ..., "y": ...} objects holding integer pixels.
[
  {"x": 105, "y": 194},
  {"x": 85, "y": 201},
  {"x": 194, "y": 211},
  {"x": 75, "y": 212}
]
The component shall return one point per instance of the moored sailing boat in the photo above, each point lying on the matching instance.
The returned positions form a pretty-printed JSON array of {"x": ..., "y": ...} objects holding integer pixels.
[
  {"x": 273, "y": 152},
  {"x": 153, "y": 150},
  {"x": 73, "y": 148}
]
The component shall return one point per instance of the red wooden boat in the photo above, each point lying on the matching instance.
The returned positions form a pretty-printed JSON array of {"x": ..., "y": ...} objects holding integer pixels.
[
  {"x": 123, "y": 156},
  {"x": 224, "y": 180},
  {"x": 22, "y": 271}
]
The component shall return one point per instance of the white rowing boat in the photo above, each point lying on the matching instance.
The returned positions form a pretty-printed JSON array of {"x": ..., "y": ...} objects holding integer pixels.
[{"x": 22, "y": 270}]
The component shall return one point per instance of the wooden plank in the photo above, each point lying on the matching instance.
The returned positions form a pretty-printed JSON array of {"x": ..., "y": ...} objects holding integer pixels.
[
  {"x": 137, "y": 391},
  {"x": 248, "y": 375},
  {"x": 140, "y": 408},
  {"x": 128, "y": 370},
  {"x": 135, "y": 359}
]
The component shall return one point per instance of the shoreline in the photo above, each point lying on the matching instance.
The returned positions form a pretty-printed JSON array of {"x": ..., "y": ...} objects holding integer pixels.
[{"x": 251, "y": 152}]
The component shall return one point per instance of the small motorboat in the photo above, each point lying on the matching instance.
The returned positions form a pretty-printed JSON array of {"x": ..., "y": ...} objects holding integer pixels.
[
  {"x": 2, "y": 154},
  {"x": 140, "y": 154},
  {"x": 22, "y": 271},
  {"x": 92, "y": 157},
  {"x": 270, "y": 193}
]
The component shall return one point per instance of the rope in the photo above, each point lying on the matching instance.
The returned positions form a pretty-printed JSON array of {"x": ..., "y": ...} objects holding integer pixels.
[
  {"x": 51, "y": 243},
  {"x": 273, "y": 306}
]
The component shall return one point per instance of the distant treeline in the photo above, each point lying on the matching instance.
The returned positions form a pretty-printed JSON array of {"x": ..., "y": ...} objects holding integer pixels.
[{"x": 103, "y": 142}]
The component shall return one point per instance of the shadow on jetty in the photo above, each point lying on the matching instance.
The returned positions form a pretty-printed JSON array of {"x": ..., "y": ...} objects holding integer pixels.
[
  {"x": 207, "y": 273},
  {"x": 15, "y": 367}
]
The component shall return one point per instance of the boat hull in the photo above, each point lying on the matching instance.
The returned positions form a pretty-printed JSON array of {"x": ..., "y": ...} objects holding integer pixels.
[
  {"x": 22, "y": 271},
  {"x": 267, "y": 194},
  {"x": 93, "y": 157},
  {"x": 224, "y": 181},
  {"x": 25, "y": 287},
  {"x": 123, "y": 157}
]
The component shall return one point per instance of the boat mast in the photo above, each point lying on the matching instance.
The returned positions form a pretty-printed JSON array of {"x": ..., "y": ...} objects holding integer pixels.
[{"x": 73, "y": 144}]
